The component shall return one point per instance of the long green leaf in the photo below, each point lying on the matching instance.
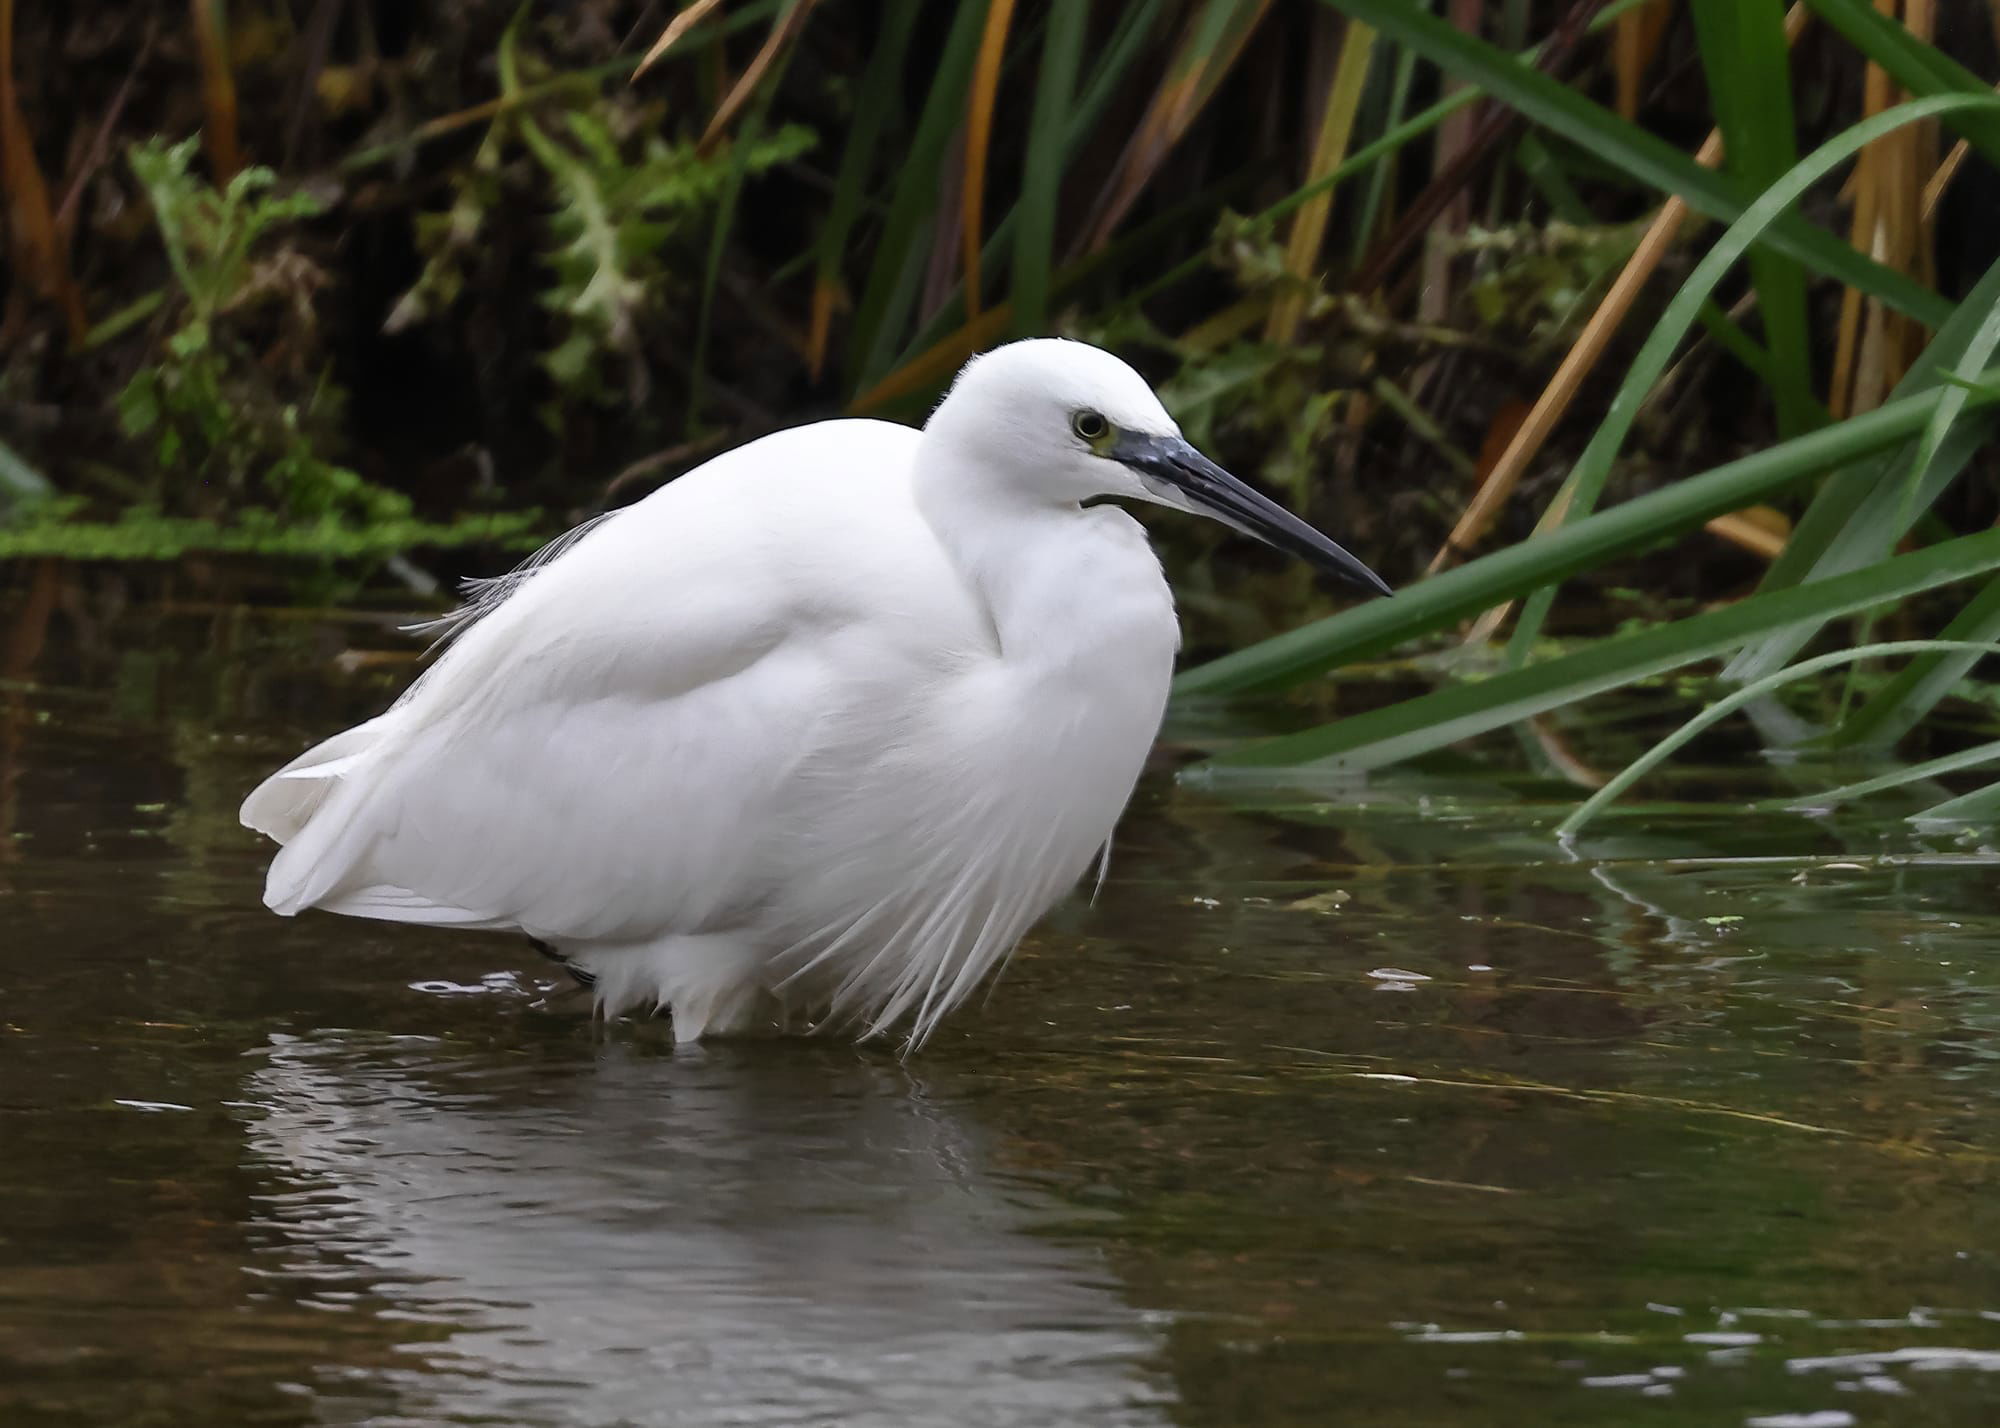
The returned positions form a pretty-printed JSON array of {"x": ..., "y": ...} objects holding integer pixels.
[
  {"x": 1645, "y": 158},
  {"x": 1723, "y": 708},
  {"x": 1376, "y": 196},
  {"x": 1862, "y": 513},
  {"x": 891, "y": 285},
  {"x": 1744, "y": 348},
  {"x": 881, "y": 83},
  {"x": 1433, "y": 721},
  {"x": 1041, "y": 180},
  {"x": 1108, "y": 67},
  {"x": 1748, "y": 63},
  {"x": 1970, "y": 758},
  {"x": 1920, "y": 68},
  {"x": 1593, "y": 468},
  {"x": 1980, "y": 806},
  {"x": 1374, "y": 628},
  {"x": 1901, "y": 704},
  {"x": 18, "y": 480}
]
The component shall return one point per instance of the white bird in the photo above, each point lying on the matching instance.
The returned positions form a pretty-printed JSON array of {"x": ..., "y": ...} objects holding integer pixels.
[{"x": 809, "y": 737}]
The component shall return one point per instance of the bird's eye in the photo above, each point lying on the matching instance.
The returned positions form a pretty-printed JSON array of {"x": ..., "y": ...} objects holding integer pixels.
[{"x": 1089, "y": 425}]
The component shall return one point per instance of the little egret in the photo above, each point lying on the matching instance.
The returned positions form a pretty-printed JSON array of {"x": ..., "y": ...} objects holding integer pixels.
[{"x": 811, "y": 736}]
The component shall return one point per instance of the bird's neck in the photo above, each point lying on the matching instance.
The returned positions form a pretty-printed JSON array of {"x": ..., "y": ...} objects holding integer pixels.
[
  {"x": 1007, "y": 545},
  {"x": 1064, "y": 588}
]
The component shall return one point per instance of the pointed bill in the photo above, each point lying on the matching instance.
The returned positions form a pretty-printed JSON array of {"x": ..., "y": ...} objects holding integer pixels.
[{"x": 1182, "y": 476}]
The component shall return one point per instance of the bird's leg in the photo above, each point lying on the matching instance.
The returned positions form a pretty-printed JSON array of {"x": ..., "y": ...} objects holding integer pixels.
[{"x": 577, "y": 974}]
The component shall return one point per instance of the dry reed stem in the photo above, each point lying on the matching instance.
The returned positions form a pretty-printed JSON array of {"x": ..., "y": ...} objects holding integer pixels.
[
  {"x": 1561, "y": 390},
  {"x": 1191, "y": 79},
  {"x": 937, "y": 361},
  {"x": 1633, "y": 45},
  {"x": 782, "y": 34},
  {"x": 1336, "y": 130},
  {"x": 1743, "y": 528},
  {"x": 218, "y": 89},
  {"x": 1941, "y": 180},
  {"x": 978, "y": 134},
  {"x": 686, "y": 20},
  {"x": 826, "y": 292},
  {"x": 39, "y": 251},
  {"x": 1873, "y": 346},
  {"x": 1564, "y": 759},
  {"x": 1453, "y": 154}
]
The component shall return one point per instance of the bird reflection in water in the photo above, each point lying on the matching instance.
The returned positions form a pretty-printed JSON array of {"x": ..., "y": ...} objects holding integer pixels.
[{"x": 740, "y": 1236}]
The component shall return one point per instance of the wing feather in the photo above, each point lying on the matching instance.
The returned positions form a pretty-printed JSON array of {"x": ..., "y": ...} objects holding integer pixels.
[{"x": 604, "y": 751}]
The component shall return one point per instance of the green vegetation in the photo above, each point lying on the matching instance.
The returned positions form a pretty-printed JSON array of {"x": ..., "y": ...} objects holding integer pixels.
[
  {"x": 232, "y": 464},
  {"x": 1446, "y": 276},
  {"x": 1839, "y": 561}
]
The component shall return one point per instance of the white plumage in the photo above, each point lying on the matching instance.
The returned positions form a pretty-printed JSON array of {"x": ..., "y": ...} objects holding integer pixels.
[{"x": 810, "y": 736}]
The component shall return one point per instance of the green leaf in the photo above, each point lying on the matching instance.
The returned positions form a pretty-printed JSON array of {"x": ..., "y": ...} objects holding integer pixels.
[
  {"x": 1442, "y": 601},
  {"x": 1862, "y": 512},
  {"x": 18, "y": 480},
  {"x": 1587, "y": 480},
  {"x": 1903, "y": 777},
  {"x": 1748, "y": 63},
  {"x": 1920, "y": 68},
  {"x": 1642, "y": 156},
  {"x": 1901, "y": 704},
  {"x": 1375, "y": 198},
  {"x": 1723, "y": 708},
  {"x": 874, "y": 102},
  {"x": 1980, "y": 806},
  {"x": 891, "y": 286},
  {"x": 1433, "y": 721},
  {"x": 1041, "y": 180}
]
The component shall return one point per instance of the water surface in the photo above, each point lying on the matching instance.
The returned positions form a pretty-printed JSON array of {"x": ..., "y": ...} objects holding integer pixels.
[{"x": 1376, "y": 1110}]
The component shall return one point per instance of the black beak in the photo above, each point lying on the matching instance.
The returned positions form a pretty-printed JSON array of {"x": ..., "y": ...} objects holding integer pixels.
[{"x": 1169, "y": 462}]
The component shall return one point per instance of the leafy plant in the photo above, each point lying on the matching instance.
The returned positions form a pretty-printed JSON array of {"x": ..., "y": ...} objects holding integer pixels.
[
  {"x": 625, "y": 202},
  {"x": 234, "y": 464},
  {"x": 1890, "y": 467},
  {"x": 614, "y": 226},
  {"x": 209, "y": 416},
  {"x": 208, "y": 234}
]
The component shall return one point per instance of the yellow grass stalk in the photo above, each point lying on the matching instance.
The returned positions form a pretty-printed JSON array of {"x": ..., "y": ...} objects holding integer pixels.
[
  {"x": 937, "y": 361},
  {"x": 1760, "y": 530},
  {"x": 825, "y": 293},
  {"x": 218, "y": 89},
  {"x": 1582, "y": 358},
  {"x": 39, "y": 251},
  {"x": 1584, "y": 354},
  {"x": 1873, "y": 346},
  {"x": 1633, "y": 45},
  {"x": 782, "y": 34},
  {"x": 978, "y": 134},
  {"x": 1336, "y": 130},
  {"x": 1191, "y": 79},
  {"x": 686, "y": 20}
]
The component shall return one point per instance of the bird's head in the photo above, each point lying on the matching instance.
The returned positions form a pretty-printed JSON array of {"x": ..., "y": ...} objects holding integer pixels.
[{"x": 1068, "y": 422}]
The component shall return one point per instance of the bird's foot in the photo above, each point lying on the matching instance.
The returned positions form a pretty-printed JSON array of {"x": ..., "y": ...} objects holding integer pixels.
[{"x": 579, "y": 975}]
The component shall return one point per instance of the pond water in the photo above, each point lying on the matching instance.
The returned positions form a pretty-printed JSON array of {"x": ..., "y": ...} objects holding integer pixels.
[{"x": 1377, "y": 1110}]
